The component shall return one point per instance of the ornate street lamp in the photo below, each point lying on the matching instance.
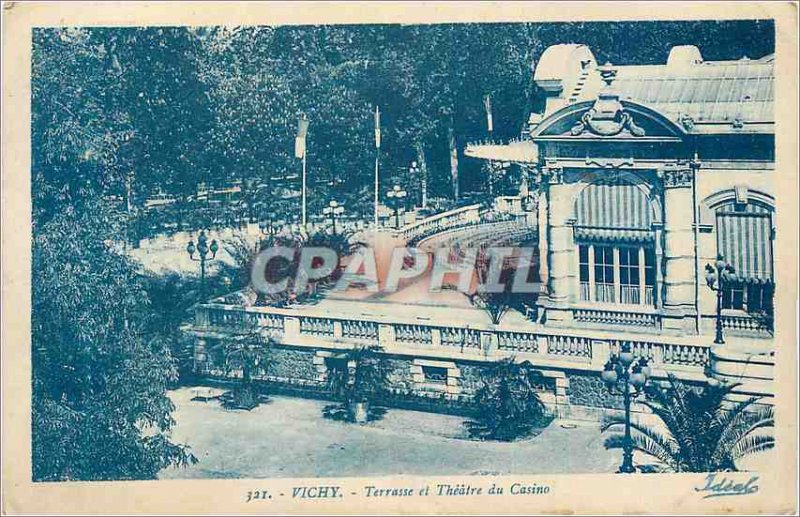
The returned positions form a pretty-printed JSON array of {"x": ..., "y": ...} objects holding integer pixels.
[
  {"x": 395, "y": 198},
  {"x": 333, "y": 210},
  {"x": 623, "y": 375},
  {"x": 718, "y": 277},
  {"x": 413, "y": 172},
  {"x": 203, "y": 250}
]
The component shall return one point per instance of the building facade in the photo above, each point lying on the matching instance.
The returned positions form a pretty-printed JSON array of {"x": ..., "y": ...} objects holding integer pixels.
[{"x": 643, "y": 175}]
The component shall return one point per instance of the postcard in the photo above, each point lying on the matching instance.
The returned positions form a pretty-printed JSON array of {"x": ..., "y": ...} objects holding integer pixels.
[{"x": 399, "y": 258}]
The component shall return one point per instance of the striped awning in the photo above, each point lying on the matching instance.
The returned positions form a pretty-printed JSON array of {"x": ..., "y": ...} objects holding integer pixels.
[
  {"x": 613, "y": 234},
  {"x": 613, "y": 205},
  {"x": 744, "y": 239}
]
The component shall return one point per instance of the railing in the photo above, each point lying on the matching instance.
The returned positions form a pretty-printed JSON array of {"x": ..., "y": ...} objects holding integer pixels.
[
  {"x": 585, "y": 293},
  {"x": 317, "y": 326},
  {"x": 629, "y": 294},
  {"x": 649, "y": 300},
  {"x": 439, "y": 222},
  {"x": 459, "y": 337},
  {"x": 366, "y": 331},
  {"x": 616, "y": 317},
  {"x": 543, "y": 346},
  {"x": 746, "y": 323},
  {"x": 415, "y": 335},
  {"x": 517, "y": 342},
  {"x": 569, "y": 346}
]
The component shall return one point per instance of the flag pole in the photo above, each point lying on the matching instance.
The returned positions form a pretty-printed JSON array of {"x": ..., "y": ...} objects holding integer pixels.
[
  {"x": 377, "y": 158},
  {"x": 305, "y": 230},
  {"x": 377, "y": 161},
  {"x": 300, "y": 152}
]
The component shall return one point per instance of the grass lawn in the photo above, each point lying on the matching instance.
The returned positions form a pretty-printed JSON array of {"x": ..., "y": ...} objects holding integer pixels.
[{"x": 288, "y": 437}]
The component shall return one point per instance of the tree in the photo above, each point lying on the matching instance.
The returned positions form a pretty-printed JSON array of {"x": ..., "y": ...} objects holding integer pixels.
[
  {"x": 508, "y": 406},
  {"x": 495, "y": 302},
  {"x": 699, "y": 430},
  {"x": 248, "y": 352},
  {"x": 100, "y": 373},
  {"x": 75, "y": 134},
  {"x": 99, "y": 406},
  {"x": 357, "y": 379}
]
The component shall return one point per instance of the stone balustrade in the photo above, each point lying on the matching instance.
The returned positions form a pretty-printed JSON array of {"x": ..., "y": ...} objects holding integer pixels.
[
  {"x": 440, "y": 222},
  {"x": 639, "y": 317},
  {"x": 547, "y": 347},
  {"x": 747, "y": 324}
]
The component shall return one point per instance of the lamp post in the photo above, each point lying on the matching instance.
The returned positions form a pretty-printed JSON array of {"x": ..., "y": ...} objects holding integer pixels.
[
  {"x": 395, "y": 199},
  {"x": 413, "y": 172},
  {"x": 203, "y": 250},
  {"x": 717, "y": 278},
  {"x": 333, "y": 210},
  {"x": 625, "y": 376}
]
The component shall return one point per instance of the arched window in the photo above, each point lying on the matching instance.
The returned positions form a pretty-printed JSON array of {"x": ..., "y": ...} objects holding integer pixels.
[
  {"x": 745, "y": 236},
  {"x": 613, "y": 232}
]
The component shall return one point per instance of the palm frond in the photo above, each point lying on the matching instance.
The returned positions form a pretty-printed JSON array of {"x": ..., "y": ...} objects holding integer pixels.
[
  {"x": 610, "y": 421},
  {"x": 739, "y": 423},
  {"x": 645, "y": 445},
  {"x": 751, "y": 444}
]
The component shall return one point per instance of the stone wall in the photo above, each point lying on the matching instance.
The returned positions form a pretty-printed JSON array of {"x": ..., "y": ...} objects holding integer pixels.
[
  {"x": 292, "y": 364},
  {"x": 400, "y": 374},
  {"x": 569, "y": 394},
  {"x": 589, "y": 390}
]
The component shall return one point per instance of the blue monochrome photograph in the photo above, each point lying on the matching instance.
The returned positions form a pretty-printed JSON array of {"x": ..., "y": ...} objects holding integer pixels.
[{"x": 445, "y": 249}]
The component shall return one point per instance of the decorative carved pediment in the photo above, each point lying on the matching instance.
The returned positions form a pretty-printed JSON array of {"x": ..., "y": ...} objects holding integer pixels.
[{"x": 608, "y": 118}]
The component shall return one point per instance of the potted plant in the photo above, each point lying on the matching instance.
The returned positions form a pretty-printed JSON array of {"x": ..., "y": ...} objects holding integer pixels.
[
  {"x": 356, "y": 379},
  {"x": 249, "y": 353}
]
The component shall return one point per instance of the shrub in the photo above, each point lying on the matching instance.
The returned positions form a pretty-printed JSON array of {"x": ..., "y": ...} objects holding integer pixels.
[{"x": 508, "y": 406}]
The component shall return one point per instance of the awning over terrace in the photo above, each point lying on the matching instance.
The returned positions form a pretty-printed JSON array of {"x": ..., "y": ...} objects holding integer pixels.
[{"x": 523, "y": 151}]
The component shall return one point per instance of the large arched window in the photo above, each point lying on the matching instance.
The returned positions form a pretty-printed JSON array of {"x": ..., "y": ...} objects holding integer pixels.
[
  {"x": 613, "y": 232},
  {"x": 745, "y": 236}
]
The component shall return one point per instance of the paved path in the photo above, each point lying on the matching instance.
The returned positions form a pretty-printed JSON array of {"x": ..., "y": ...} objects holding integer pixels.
[{"x": 289, "y": 438}]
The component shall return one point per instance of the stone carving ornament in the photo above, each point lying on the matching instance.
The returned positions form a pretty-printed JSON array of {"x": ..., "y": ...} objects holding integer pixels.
[
  {"x": 678, "y": 177},
  {"x": 606, "y": 127}
]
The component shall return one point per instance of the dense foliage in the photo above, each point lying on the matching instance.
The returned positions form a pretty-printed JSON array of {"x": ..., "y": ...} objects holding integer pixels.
[
  {"x": 508, "y": 406},
  {"x": 699, "y": 430},
  {"x": 99, "y": 375}
]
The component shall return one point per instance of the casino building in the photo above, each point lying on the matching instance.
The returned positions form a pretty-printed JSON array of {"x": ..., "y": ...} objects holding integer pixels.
[{"x": 642, "y": 175}]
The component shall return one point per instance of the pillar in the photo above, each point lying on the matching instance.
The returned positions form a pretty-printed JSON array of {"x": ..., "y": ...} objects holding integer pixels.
[
  {"x": 560, "y": 248},
  {"x": 542, "y": 221},
  {"x": 679, "y": 261}
]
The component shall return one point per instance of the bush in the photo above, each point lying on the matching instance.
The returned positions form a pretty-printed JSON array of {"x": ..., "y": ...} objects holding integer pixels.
[{"x": 508, "y": 407}]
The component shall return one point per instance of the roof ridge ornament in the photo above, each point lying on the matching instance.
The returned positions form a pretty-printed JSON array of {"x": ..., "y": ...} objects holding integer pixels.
[{"x": 608, "y": 73}]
